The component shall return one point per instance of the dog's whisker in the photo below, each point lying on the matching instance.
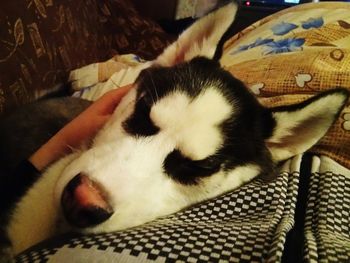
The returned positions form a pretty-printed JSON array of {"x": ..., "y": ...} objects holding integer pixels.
[
  {"x": 154, "y": 88},
  {"x": 150, "y": 93}
]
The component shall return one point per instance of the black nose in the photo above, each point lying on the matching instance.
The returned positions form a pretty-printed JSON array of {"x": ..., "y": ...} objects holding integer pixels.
[{"x": 84, "y": 203}]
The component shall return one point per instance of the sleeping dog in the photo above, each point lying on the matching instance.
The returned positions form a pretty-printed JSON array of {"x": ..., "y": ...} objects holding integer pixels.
[{"x": 188, "y": 131}]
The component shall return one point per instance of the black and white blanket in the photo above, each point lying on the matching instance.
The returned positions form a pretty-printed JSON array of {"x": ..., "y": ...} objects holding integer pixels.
[{"x": 301, "y": 215}]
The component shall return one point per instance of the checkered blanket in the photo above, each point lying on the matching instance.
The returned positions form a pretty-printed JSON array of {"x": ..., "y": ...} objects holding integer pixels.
[{"x": 250, "y": 224}]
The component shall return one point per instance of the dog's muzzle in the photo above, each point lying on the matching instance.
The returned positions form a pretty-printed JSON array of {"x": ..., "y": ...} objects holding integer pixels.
[{"x": 83, "y": 202}]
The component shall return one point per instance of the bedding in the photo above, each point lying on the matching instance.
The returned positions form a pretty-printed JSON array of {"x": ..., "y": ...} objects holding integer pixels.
[
  {"x": 303, "y": 214},
  {"x": 294, "y": 53}
]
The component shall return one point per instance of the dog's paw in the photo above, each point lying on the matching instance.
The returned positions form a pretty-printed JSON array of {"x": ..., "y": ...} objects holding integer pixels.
[{"x": 84, "y": 77}]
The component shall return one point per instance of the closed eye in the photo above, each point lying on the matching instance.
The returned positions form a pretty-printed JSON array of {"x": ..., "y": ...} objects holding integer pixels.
[{"x": 187, "y": 171}]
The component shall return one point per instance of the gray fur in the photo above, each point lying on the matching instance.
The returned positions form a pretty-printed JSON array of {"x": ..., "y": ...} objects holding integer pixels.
[{"x": 23, "y": 131}]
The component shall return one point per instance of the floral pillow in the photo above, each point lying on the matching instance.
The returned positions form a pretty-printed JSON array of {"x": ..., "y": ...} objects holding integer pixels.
[{"x": 294, "y": 54}]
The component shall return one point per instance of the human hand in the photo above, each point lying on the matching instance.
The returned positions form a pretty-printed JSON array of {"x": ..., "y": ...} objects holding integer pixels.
[{"x": 80, "y": 129}]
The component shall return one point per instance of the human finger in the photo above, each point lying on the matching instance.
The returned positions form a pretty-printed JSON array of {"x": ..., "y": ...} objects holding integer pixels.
[{"x": 109, "y": 101}]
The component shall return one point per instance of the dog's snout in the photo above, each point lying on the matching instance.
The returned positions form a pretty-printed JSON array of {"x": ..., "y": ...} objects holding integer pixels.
[{"x": 84, "y": 202}]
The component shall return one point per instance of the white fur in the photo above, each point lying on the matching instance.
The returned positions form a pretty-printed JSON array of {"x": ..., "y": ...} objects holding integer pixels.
[
  {"x": 130, "y": 169},
  {"x": 35, "y": 217},
  {"x": 297, "y": 131},
  {"x": 207, "y": 32},
  {"x": 176, "y": 114}
]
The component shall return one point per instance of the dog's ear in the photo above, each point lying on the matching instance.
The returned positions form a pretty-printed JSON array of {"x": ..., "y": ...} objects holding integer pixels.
[
  {"x": 298, "y": 127},
  {"x": 201, "y": 38}
]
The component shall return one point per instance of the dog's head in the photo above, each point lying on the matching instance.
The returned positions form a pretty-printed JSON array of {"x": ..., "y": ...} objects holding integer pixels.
[{"x": 188, "y": 131}]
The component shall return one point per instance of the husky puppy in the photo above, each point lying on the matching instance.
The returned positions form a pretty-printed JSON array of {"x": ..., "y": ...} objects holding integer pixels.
[{"x": 188, "y": 131}]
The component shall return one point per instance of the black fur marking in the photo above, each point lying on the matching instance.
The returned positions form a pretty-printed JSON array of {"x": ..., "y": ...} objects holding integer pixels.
[
  {"x": 140, "y": 123},
  {"x": 14, "y": 186},
  {"x": 187, "y": 171},
  {"x": 244, "y": 132},
  {"x": 5, "y": 244},
  {"x": 298, "y": 106},
  {"x": 189, "y": 77}
]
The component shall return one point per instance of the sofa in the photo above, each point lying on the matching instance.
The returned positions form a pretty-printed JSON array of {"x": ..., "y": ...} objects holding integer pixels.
[
  {"x": 41, "y": 41},
  {"x": 301, "y": 215}
]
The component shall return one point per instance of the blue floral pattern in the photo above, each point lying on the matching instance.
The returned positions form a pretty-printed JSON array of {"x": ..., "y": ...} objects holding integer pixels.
[
  {"x": 258, "y": 42},
  {"x": 288, "y": 44},
  {"x": 284, "y": 45},
  {"x": 283, "y": 28},
  {"x": 313, "y": 23}
]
